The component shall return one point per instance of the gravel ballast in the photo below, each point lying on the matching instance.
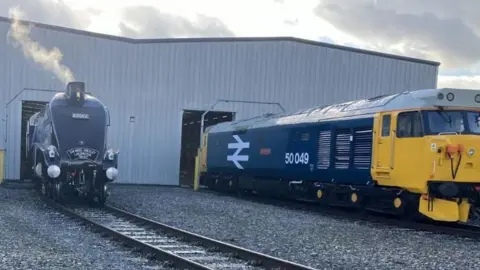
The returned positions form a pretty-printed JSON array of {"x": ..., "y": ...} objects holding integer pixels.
[
  {"x": 34, "y": 236},
  {"x": 312, "y": 239}
]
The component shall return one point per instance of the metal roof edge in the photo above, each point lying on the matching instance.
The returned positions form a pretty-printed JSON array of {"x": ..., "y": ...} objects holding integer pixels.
[{"x": 224, "y": 39}]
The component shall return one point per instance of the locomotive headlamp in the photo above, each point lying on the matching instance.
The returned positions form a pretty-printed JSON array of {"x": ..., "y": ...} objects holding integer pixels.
[
  {"x": 110, "y": 155},
  {"x": 440, "y": 96},
  {"x": 450, "y": 96},
  {"x": 477, "y": 98},
  {"x": 112, "y": 173},
  {"x": 471, "y": 152},
  {"x": 53, "y": 171},
  {"x": 52, "y": 150}
]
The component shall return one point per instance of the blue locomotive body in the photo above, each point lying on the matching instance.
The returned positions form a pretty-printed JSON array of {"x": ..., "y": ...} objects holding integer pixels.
[{"x": 278, "y": 158}]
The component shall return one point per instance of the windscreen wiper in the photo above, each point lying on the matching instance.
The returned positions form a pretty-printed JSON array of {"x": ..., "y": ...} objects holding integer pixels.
[{"x": 444, "y": 117}]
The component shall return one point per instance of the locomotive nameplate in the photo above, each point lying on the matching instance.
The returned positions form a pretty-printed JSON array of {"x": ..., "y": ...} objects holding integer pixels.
[{"x": 81, "y": 153}]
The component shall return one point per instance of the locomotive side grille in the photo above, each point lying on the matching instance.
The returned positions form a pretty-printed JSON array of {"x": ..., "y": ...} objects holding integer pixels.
[
  {"x": 323, "y": 154},
  {"x": 342, "y": 149},
  {"x": 362, "y": 148}
]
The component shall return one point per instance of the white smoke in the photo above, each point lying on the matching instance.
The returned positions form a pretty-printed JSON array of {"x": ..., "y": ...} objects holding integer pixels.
[{"x": 50, "y": 60}]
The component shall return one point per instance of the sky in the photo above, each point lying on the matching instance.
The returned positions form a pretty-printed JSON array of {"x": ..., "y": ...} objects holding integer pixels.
[{"x": 441, "y": 30}]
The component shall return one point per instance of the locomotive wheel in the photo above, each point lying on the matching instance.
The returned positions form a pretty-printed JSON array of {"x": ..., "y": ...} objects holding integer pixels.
[
  {"x": 53, "y": 191},
  {"x": 474, "y": 214},
  {"x": 43, "y": 188},
  {"x": 408, "y": 209},
  {"x": 102, "y": 195},
  {"x": 90, "y": 199},
  {"x": 50, "y": 191},
  {"x": 58, "y": 191}
]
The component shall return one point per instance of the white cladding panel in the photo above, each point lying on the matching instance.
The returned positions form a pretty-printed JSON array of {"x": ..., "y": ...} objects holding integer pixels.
[{"x": 155, "y": 81}]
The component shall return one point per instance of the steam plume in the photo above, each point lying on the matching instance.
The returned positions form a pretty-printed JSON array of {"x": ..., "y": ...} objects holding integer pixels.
[{"x": 50, "y": 60}]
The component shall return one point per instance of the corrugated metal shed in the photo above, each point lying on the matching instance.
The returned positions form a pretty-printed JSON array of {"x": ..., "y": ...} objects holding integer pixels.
[{"x": 154, "y": 80}]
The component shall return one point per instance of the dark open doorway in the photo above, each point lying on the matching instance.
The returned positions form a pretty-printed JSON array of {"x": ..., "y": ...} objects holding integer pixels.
[
  {"x": 29, "y": 108},
  {"x": 191, "y": 139}
]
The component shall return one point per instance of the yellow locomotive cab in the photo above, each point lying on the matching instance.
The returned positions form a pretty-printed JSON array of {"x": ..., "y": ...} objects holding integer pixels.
[
  {"x": 454, "y": 174},
  {"x": 432, "y": 152}
]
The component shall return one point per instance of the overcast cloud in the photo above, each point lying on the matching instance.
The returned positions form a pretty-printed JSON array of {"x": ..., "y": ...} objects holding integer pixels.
[
  {"x": 148, "y": 22},
  {"x": 444, "y": 30},
  {"x": 49, "y": 12},
  {"x": 137, "y": 21}
]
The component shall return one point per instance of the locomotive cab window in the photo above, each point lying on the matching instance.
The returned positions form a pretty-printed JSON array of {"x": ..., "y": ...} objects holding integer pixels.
[
  {"x": 409, "y": 125},
  {"x": 451, "y": 122},
  {"x": 473, "y": 119},
  {"x": 386, "y": 120},
  {"x": 445, "y": 122}
]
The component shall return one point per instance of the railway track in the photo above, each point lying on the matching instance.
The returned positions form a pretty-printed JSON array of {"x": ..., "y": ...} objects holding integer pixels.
[
  {"x": 366, "y": 217},
  {"x": 179, "y": 248}
]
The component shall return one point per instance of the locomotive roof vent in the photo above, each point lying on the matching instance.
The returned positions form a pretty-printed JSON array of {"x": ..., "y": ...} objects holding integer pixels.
[{"x": 76, "y": 92}]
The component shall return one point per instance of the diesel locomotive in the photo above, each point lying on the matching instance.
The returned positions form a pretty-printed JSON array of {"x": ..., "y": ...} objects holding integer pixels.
[
  {"x": 412, "y": 154},
  {"x": 66, "y": 147}
]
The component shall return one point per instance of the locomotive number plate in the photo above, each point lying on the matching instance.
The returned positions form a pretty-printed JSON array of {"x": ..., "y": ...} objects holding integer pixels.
[
  {"x": 80, "y": 116},
  {"x": 296, "y": 158},
  {"x": 81, "y": 153}
]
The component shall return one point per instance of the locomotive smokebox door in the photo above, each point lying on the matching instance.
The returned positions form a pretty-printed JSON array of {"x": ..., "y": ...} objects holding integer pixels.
[{"x": 76, "y": 92}]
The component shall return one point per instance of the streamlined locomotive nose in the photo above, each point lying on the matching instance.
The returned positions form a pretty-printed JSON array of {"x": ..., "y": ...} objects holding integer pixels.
[{"x": 74, "y": 157}]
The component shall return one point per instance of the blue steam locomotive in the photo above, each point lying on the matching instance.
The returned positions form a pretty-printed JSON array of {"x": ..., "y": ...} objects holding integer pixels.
[{"x": 66, "y": 146}]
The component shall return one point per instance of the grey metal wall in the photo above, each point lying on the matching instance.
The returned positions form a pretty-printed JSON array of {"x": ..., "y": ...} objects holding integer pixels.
[{"x": 155, "y": 81}]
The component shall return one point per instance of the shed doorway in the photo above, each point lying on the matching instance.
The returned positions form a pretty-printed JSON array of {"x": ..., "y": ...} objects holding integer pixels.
[{"x": 191, "y": 139}]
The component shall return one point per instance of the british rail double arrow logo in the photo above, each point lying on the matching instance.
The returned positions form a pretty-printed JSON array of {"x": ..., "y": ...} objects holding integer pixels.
[{"x": 236, "y": 157}]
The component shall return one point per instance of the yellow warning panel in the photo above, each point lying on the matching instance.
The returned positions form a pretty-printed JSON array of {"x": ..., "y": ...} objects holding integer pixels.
[
  {"x": 197, "y": 172},
  {"x": 2, "y": 166},
  {"x": 440, "y": 210}
]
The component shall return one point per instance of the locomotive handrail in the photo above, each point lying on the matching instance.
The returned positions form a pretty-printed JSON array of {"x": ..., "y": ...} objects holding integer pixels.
[
  {"x": 448, "y": 133},
  {"x": 392, "y": 149},
  {"x": 202, "y": 121}
]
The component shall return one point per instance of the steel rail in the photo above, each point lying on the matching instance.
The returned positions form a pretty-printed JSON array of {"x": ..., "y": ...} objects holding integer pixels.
[
  {"x": 362, "y": 215},
  {"x": 182, "y": 249}
]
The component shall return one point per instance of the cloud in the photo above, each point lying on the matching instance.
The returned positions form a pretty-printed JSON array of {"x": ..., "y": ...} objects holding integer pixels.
[
  {"x": 442, "y": 30},
  {"x": 468, "y": 82},
  {"x": 49, "y": 12},
  {"x": 148, "y": 22},
  {"x": 326, "y": 39},
  {"x": 291, "y": 22}
]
